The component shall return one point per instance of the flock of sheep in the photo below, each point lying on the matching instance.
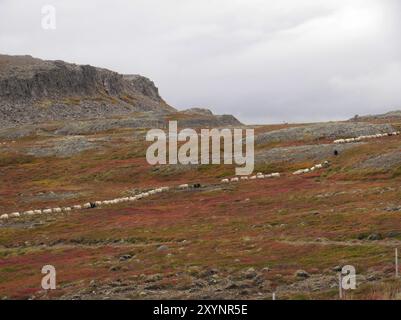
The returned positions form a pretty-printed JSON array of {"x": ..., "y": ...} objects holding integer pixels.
[
  {"x": 260, "y": 175},
  {"x": 373, "y": 136},
  {"x": 90, "y": 205},
  {"x": 184, "y": 186},
  {"x": 325, "y": 164},
  {"x": 4, "y": 143},
  {"x": 85, "y": 206}
]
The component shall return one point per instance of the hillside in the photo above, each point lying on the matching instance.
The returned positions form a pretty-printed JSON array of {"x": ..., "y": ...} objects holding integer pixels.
[
  {"x": 34, "y": 91},
  {"x": 78, "y": 193},
  {"x": 241, "y": 240}
]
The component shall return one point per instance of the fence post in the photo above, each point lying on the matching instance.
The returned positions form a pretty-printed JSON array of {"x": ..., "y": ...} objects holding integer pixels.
[{"x": 396, "y": 262}]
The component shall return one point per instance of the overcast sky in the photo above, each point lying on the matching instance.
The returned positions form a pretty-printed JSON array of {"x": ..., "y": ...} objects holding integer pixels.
[{"x": 262, "y": 60}]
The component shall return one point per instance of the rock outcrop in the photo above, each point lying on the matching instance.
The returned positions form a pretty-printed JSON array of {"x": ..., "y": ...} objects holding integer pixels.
[
  {"x": 330, "y": 130},
  {"x": 396, "y": 114},
  {"x": 200, "y": 111},
  {"x": 33, "y": 91}
]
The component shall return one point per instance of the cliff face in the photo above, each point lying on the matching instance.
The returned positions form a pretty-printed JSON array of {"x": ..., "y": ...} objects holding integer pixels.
[
  {"x": 24, "y": 78},
  {"x": 33, "y": 90}
]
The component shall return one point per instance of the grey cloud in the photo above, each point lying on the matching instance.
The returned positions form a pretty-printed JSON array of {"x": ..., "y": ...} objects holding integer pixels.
[{"x": 264, "y": 61}]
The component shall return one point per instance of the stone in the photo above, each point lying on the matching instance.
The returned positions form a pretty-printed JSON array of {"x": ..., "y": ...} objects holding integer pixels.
[
  {"x": 302, "y": 274},
  {"x": 163, "y": 248},
  {"x": 374, "y": 237},
  {"x": 125, "y": 257}
]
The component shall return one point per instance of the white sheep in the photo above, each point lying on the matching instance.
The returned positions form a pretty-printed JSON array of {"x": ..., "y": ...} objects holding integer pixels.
[
  {"x": 298, "y": 172},
  {"x": 15, "y": 215},
  {"x": 183, "y": 186},
  {"x": 29, "y": 213},
  {"x": 146, "y": 194},
  {"x": 47, "y": 211},
  {"x": 319, "y": 166},
  {"x": 234, "y": 180},
  {"x": 244, "y": 178},
  {"x": 4, "y": 217},
  {"x": 252, "y": 178},
  {"x": 77, "y": 207},
  {"x": 37, "y": 212},
  {"x": 57, "y": 210},
  {"x": 225, "y": 181},
  {"x": 276, "y": 175},
  {"x": 66, "y": 209}
]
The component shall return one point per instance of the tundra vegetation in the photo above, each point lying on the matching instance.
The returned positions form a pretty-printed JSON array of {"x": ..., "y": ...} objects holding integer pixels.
[
  {"x": 228, "y": 237},
  {"x": 77, "y": 193}
]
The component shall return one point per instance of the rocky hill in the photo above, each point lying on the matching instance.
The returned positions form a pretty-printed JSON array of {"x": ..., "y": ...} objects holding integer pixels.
[
  {"x": 389, "y": 116},
  {"x": 330, "y": 130},
  {"x": 35, "y": 91}
]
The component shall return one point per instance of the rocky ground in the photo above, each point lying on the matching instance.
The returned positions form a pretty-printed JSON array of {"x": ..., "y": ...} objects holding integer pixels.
[
  {"x": 295, "y": 154},
  {"x": 334, "y": 130},
  {"x": 288, "y": 236}
]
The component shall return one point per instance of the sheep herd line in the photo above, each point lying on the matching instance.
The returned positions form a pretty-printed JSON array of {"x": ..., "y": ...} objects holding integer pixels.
[
  {"x": 5, "y": 143},
  {"x": 89, "y": 205},
  {"x": 361, "y": 138}
]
